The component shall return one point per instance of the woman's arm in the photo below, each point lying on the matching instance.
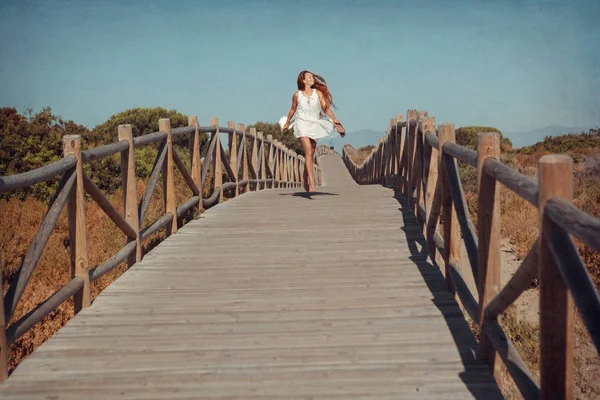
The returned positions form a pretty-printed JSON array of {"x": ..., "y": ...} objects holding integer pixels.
[
  {"x": 292, "y": 110},
  {"x": 326, "y": 107}
]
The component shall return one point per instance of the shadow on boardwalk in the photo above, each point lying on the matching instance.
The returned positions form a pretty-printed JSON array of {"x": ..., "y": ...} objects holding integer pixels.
[
  {"x": 433, "y": 277},
  {"x": 309, "y": 195}
]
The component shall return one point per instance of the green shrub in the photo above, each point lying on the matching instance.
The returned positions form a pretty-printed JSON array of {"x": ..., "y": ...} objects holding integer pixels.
[
  {"x": 33, "y": 140},
  {"x": 564, "y": 143},
  {"x": 467, "y": 136}
]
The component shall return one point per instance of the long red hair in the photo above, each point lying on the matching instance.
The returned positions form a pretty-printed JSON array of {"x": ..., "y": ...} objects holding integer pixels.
[{"x": 320, "y": 84}]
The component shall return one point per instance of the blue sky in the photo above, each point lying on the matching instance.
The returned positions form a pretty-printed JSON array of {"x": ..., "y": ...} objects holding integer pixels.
[{"x": 513, "y": 64}]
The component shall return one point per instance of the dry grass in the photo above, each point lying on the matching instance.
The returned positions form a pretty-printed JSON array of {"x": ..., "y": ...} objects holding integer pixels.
[{"x": 360, "y": 155}]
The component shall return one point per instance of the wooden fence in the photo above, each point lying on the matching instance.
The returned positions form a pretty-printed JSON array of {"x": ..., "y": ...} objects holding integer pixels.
[
  {"x": 255, "y": 163},
  {"x": 420, "y": 161}
]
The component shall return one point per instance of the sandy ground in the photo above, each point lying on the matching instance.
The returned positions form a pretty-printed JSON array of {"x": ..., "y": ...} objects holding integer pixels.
[
  {"x": 528, "y": 303},
  {"x": 586, "y": 359}
]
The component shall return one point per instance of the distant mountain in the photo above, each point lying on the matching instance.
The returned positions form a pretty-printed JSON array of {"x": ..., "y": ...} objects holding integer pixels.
[
  {"x": 361, "y": 138},
  {"x": 527, "y": 138}
]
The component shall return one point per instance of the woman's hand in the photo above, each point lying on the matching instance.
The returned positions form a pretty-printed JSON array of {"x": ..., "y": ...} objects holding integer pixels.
[
  {"x": 339, "y": 128},
  {"x": 286, "y": 125}
]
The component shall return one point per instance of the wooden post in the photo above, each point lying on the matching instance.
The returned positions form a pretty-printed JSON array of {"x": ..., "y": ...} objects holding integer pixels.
[
  {"x": 285, "y": 155},
  {"x": 3, "y": 343},
  {"x": 290, "y": 158},
  {"x": 376, "y": 161},
  {"x": 556, "y": 303},
  {"x": 260, "y": 172},
  {"x": 387, "y": 154},
  {"x": 77, "y": 234},
  {"x": 281, "y": 159},
  {"x": 263, "y": 168},
  {"x": 416, "y": 175},
  {"x": 300, "y": 168},
  {"x": 393, "y": 160},
  {"x": 217, "y": 167},
  {"x": 431, "y": 175},
  {"x": 488, "y": 226},
  {"x": 401, "y": 150},
  {"x": 164, "y": 125},
  {"x": 392, "y": 153},
  {"x": 233, "y": 155},
  {"x": 277, "y": 165},
  {"x": 378, "y": 173},
  {"x": 244, "y": 161},
  {"x": 195, "y": 156},
  {"x": 410, "y": 144},
  {"x": 296, "y": 169},
  {"x": 281, "y": 164},
  {"x": 270, "y": 158},
  {"x": 254, "y": 156},
  {"x": 451, "y": 228},
  {"x": 130, "y": 192},
  {"x": 398, "y": 151}
]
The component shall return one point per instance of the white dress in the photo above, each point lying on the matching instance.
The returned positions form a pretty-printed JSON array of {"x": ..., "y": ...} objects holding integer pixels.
[{"x": 308, "y": 120}]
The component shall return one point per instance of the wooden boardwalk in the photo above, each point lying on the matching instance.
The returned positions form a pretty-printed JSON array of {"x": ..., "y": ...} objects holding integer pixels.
[{"x": 272, "y": 295}]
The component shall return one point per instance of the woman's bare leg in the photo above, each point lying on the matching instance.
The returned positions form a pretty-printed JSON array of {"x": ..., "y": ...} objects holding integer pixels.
[
  {"x": 307, "y": 144},
  {"x": 305, "y": 179}
]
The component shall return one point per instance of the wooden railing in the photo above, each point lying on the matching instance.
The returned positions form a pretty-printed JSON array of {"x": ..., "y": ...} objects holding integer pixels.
[
  {"x": 420, "y": 161},
  {"x": 265, "y": 164}
]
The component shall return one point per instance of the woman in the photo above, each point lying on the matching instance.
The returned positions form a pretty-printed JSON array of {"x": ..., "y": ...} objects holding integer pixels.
[{"x": 310, "y": 103}]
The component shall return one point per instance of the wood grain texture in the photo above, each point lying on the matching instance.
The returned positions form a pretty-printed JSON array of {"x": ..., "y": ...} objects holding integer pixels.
[
  {"x": 194, "y": 145},
  {"x": 77, "y": 233},
  {"x": 449, "y": 215},
  {"x": 556, "y": 302},
  {"x": 488, "y": 224},
  {"x": 129, "y": 185},
  {"x": 217, "y": 165},
  {"x": 233, "y": 161},
  {"x": 328, "y": 296},
  {"x": 164, "y": 125},
  {"x": 254, "y": 157}
]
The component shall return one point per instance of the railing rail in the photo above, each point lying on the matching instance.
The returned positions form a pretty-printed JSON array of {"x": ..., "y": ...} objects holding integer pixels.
[
  {"x": 420, "y": 161},
  {"x": 271, "y": 165}
]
